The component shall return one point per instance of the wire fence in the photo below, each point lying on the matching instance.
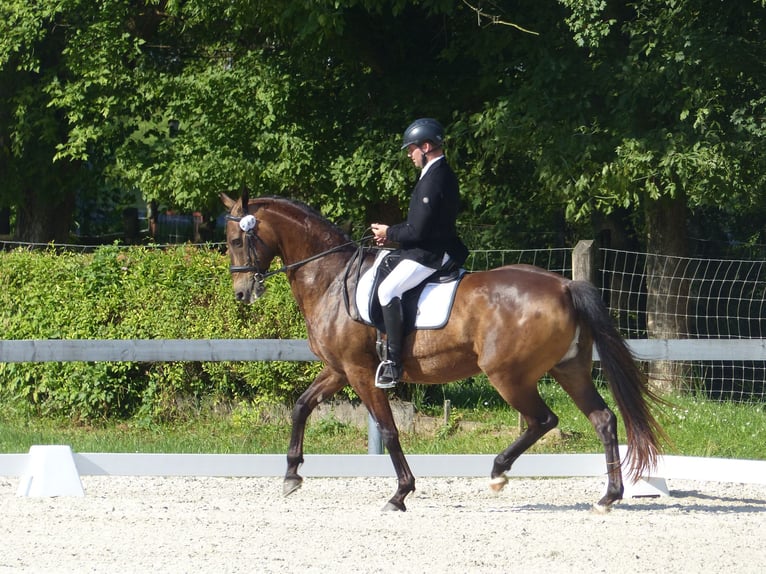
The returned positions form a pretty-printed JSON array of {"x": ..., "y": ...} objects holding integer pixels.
[
  {"x": 694, "y": 298},
  {"x": 556, "y": 260}
]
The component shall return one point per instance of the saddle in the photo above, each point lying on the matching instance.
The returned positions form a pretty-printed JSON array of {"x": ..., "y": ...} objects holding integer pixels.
[{"x": 427, "y": 306}]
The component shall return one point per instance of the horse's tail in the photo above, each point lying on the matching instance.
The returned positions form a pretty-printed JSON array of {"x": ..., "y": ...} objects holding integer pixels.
[{"x": 627, "y": 383}]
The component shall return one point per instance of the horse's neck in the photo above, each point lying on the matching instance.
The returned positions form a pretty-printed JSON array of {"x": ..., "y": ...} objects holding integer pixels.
[
  {"x": 300, "y": 241},
  {"x": 315, "y": 284},
  {"x": 311, "y": 274},
  {"x": 302, "y": 253}
]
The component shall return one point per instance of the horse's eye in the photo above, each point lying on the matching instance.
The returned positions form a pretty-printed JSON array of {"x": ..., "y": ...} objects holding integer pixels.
[{"x": 236, "y": 242}]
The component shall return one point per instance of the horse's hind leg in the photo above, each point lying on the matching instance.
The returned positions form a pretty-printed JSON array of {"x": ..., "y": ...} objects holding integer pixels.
[
  {"x": 326, "y": 384},
  {"x": 578, "y": 383},
  {"x": 539, "y": 418}
]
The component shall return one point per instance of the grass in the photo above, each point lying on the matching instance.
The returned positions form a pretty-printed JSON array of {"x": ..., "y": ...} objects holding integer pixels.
[{"x": 479, "y": 424}]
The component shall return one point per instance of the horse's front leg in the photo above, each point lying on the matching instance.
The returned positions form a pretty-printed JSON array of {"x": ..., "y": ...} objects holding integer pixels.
[
  {"x": 379, "y": 407},
  {"x": 405, "y": 478},
  {"x": 326, "y": 384}
]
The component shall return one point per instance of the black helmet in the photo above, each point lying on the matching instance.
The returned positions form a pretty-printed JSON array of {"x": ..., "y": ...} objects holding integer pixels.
[{"x": 423, "y": 130}]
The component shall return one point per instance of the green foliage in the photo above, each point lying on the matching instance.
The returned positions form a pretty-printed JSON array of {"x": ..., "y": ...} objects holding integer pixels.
[
  {"x": 141, "y": 293},
  {"x": 665, "y": 88},
  {"x": 588, "y": 21},
  {"x": 217, "y": 144},
  {"x": 717, "y": 429}
]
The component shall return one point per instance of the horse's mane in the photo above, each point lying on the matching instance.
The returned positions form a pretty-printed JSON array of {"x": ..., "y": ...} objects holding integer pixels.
[{"x": 304, "y": 209}]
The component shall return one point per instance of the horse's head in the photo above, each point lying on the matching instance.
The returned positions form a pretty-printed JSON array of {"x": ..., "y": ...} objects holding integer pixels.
[{"x": 249, "y": 248}]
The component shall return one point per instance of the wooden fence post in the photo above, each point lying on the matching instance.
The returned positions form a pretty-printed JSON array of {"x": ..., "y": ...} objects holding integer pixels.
[{"x": 584, "y": 262}]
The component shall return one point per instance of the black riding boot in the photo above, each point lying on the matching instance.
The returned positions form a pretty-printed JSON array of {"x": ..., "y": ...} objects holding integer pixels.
[{"x": 390, "y": 371}]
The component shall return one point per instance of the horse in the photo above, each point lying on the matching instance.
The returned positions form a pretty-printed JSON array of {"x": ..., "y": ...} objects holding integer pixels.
[{"x": 513, "y": 323}]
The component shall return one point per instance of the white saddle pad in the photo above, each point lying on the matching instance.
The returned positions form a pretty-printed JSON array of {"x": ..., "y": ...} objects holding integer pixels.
[{"x": 434, "y": 304}]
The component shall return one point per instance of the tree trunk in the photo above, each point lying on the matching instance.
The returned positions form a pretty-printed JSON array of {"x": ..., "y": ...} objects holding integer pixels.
[
  {"x": 667, "y": 288},
  {"x": 42, "y": 219},
  {"x": 5, "y": 221}
]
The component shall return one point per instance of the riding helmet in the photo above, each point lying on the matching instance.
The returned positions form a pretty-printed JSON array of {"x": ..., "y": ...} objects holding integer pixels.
[{"x": 423, "y": 130}]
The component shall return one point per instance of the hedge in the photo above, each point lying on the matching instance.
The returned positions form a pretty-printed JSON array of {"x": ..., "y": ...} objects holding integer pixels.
[{"x": 182, "y": 292}]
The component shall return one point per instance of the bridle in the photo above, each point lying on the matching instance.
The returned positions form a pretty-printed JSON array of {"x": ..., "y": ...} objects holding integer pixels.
[{"x": 248, "y": 224}]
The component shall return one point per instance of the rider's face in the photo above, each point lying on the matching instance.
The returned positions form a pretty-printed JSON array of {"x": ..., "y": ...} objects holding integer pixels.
[{"x": 418, "y": 154}]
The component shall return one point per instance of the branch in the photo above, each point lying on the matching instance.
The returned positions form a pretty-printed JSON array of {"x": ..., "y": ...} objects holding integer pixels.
[{"x": 495, "y": 19}]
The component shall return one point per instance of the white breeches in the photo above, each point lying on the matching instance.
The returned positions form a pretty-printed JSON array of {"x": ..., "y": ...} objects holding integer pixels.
[{"x": 406, "y": 275}]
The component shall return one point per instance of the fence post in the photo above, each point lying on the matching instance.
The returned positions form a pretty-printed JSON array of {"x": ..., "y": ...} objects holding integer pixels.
[
  {"x": 584, "y": 266},
  {"x": 374, "y": 439}
]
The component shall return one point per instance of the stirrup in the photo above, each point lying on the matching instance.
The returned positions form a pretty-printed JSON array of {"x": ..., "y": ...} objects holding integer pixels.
[{"x": 385, "y": 375}]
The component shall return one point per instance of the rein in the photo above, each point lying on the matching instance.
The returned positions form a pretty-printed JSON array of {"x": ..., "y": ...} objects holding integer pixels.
[
  {"x": 253, "y": 265},
  {"x": 286, "y": 268}
]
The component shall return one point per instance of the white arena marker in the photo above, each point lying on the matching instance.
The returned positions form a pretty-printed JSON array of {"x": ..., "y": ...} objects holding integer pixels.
[
  {"x": 648, "y": 486},
  {"x": 50, "y": 471}
]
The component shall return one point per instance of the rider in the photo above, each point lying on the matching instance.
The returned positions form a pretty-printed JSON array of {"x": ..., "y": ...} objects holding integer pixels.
[{"x": 427, "y": 240}]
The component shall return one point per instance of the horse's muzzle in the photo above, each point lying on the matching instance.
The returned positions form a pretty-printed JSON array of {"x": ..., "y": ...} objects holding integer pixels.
[{"x": 248, "y": 291}]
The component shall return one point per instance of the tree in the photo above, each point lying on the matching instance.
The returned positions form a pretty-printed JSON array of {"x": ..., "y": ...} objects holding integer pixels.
[
  {"x": 66, "y": 69},
  {"x": 183, "y": 100},
  {"x": 668, "y": 111},
  {"x": 650, "y": 108},
  {"x": 30, "y": 128}
]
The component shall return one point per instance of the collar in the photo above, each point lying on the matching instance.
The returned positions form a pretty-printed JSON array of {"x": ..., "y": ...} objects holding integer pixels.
[{"x": 429, "y": 165}]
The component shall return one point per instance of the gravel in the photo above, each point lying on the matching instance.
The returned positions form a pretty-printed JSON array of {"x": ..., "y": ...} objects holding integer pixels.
[{"x": 199, "y": 525}]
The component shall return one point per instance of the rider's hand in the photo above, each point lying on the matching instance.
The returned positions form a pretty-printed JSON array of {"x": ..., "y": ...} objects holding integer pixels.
[{"x": 379, "y": 231}]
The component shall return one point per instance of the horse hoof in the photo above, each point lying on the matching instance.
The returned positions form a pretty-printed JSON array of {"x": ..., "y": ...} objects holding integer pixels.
[
  {"x": 498, "y": 483},
  {"x": 605, "y": 504},
  {"x": 601, "y": 508},
  {"x": 291, "y": 485},
  {"x": 390, "y": 506}
]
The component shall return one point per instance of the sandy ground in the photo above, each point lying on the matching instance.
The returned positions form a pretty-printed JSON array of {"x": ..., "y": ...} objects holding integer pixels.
[{"x": 200, "y": 525}]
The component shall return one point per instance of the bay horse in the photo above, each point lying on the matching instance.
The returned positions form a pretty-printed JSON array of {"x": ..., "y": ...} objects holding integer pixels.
[{"x": 514, "y": 323}]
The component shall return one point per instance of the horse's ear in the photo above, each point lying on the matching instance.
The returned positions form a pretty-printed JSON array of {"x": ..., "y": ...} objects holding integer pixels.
[
  {"x": 245, "y": 199},
  {"x": 227, "y": 201}
]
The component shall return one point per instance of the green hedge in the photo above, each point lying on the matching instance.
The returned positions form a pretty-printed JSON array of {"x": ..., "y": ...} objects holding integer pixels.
[{"x": 183, "y": 292}]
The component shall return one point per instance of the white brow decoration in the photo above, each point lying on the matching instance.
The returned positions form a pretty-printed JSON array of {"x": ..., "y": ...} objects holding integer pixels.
[{"x": 247, "y": 223}]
